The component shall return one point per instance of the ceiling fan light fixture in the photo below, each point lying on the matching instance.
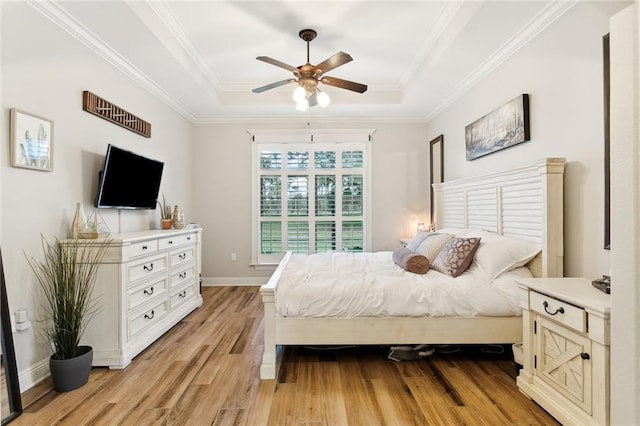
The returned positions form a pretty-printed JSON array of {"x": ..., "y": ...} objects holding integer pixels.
[
  {"x": 323, "y": 99},
  {"x": 299, "y": 94},
  {"x": 302, "y": 105}
]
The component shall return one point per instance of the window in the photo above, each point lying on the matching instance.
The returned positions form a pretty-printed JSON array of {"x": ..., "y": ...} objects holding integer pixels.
[{"x": 309, "y": 197}]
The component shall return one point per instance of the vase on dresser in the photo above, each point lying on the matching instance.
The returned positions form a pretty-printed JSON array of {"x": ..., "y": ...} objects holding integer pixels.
[{"x": 177, "y": 217}]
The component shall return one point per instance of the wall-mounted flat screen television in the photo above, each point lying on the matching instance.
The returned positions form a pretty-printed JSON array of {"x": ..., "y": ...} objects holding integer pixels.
[{"x": 128, "y": 180}]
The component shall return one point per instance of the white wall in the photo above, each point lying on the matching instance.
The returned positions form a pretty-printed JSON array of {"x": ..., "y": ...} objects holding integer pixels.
[
  {"x": 44, "y": 71},
  {"x": 223, "y": 186},
  {"x": 625, "y": 216},
  {"x": 561, "y": 70}
]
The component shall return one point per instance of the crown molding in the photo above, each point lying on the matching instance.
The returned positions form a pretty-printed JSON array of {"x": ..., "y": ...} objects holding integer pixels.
[
  {"x": 172, "y": 35},
  {"x": 535, "y": 26},
  {"x": 59, "y": 16}
]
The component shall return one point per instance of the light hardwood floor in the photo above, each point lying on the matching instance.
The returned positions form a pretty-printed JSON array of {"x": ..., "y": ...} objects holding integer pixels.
[{"x": 205, "y": 371}]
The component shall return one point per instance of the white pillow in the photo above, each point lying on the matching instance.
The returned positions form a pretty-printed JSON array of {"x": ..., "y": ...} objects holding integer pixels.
[
  {"x": 498, "y": 254},
  {"x": 432, "y": 245},
  {"x": 417, "y": 239}
]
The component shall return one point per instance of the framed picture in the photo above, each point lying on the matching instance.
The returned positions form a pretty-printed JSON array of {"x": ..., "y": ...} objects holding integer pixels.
[
  {"x": 501, "y": 128},
  {"x": 31, "y": 141},
  {"x": 436, "y": 172}
]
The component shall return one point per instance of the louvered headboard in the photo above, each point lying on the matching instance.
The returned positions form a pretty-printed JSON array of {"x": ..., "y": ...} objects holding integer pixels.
[{"x": 524, "y": 202}]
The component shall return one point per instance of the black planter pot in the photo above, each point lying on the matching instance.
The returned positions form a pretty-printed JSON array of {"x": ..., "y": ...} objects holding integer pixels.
[{"x": 70, "y": 374}]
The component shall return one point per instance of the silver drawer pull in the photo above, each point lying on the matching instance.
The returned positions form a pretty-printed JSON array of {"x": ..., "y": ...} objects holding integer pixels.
[
  {"x": 560, "y": 310},
  {"x": 183, "y": 275},
  {"x": 182, "y": 256},
  {"x": 147, "y": 316},
  {"x": 183, "y": 294},
  {"x": 148, "y": 292},
  {"x": 148, "y": 268}
]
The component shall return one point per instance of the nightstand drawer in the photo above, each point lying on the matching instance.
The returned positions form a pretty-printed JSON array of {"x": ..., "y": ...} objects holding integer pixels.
[{"x": 559, "y": 311}]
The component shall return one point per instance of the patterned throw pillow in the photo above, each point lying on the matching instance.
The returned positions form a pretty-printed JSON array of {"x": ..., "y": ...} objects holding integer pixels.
[
  {"x": 431, "y": 246},
  {"x": 456, "y": 256}
]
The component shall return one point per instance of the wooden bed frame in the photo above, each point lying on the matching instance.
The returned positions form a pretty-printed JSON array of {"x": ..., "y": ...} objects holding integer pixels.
[{"x": 525, "y": 203}]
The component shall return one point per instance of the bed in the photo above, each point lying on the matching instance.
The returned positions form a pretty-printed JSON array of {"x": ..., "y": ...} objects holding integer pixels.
[{"x": 523, "y": 203}]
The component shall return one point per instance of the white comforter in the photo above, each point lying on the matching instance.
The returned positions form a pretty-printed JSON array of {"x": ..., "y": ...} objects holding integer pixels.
[{"x": 371, "y": 285}]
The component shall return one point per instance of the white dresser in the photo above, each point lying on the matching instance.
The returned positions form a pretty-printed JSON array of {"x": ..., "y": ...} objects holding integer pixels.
[
  {"x": 566, "y": 348},
  {"x": 147, "y": 282}
]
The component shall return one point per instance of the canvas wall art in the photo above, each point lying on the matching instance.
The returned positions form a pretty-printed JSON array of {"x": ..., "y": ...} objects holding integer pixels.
[{"x": 501, "y": 128}]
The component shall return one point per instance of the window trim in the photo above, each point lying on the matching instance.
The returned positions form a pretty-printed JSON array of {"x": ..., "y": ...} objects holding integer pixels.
[{"x": 305, "y": 138}]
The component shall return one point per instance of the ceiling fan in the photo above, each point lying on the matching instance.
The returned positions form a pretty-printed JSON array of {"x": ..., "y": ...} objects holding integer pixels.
[{"x": 308, "y": 76}]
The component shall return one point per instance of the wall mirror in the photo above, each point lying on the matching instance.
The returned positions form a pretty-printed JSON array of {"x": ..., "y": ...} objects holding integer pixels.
[
  {"x": 436, "y": 171},
  {"x": 11, "y": 402},
  {"x": 607, "y": 159}
]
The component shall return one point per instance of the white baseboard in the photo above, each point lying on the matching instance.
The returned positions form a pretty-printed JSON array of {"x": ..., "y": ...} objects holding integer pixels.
[
  {"x": 34, "y": 375},
  {"x": 235, "y": 281}
]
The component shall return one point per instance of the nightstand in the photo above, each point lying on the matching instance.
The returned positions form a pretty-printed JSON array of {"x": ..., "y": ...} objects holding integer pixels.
[{"x": 566, "y": 340}]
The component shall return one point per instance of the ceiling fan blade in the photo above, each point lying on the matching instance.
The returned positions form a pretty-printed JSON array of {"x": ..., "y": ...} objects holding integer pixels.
[
  {"x": 277, "y": 63},
  {"x": 344, "y": 84},
  {"x": 274, "y": 85},
  {"x": 334, "y": 61}
]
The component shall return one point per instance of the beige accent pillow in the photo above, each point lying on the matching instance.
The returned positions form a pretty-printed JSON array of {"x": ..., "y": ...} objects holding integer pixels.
[
  {"x": 431, "y": 246},
  {"x": 456, "y": 256},
  {"x": 410, "y": 261}
]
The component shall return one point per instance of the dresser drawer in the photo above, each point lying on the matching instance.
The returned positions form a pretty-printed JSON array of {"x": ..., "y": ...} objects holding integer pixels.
[
  {"x": 141, "y": 248},
  {"x": 559, "y": 311},
  {"x": 145, "y": 292},
  {"x": 175, "y": 241},
  {"x": 146, "y": 268},
  {"x": 181, "y": 256},
  {"x": 145, "y": 319},
  {"x": 182, "y": 275},
  {"x": 182, "y": 295}
]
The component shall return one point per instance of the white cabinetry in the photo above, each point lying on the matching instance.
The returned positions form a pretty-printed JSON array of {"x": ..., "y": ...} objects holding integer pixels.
[
  {"x": 566, "y": 348},
  {"x": 147, "y": 282}
]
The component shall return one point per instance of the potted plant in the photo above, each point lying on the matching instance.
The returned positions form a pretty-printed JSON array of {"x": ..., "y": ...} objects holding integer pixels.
[
  {"x": 165, "y": 213},
  {"x": 67, "y": 276}
]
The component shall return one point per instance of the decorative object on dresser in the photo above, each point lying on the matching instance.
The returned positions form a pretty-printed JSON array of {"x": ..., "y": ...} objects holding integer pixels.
[
  {"x": 178, "y": 217},
  {"x": 502, "y": 128},
  {"x": 78, "y": 222},
  {"x": 436, "y": 173},
  {"x": 95, "y": 227},
  {"x": 566, "y": 332},
  {"x": 102, "y": 108},
  {"x": 165, "y": 213},
  {"x": 67, "y": 278},
  {"x": 149, "y": 281},
  {"x": 31, "y": 141}
]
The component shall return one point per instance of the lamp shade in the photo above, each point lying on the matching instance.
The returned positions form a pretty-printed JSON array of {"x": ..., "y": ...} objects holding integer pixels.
[
  {"x": 299, "y": 94},
  {"x": 323, "y": 99},
  {"x": 302, "y": 105}
]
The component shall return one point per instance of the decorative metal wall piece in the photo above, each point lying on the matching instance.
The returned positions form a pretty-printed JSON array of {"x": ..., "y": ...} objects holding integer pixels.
[{"x": 96, "y": 105}]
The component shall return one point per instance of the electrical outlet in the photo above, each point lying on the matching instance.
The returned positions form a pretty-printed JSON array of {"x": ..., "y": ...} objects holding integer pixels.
[{"x": 234, "y": 257}]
